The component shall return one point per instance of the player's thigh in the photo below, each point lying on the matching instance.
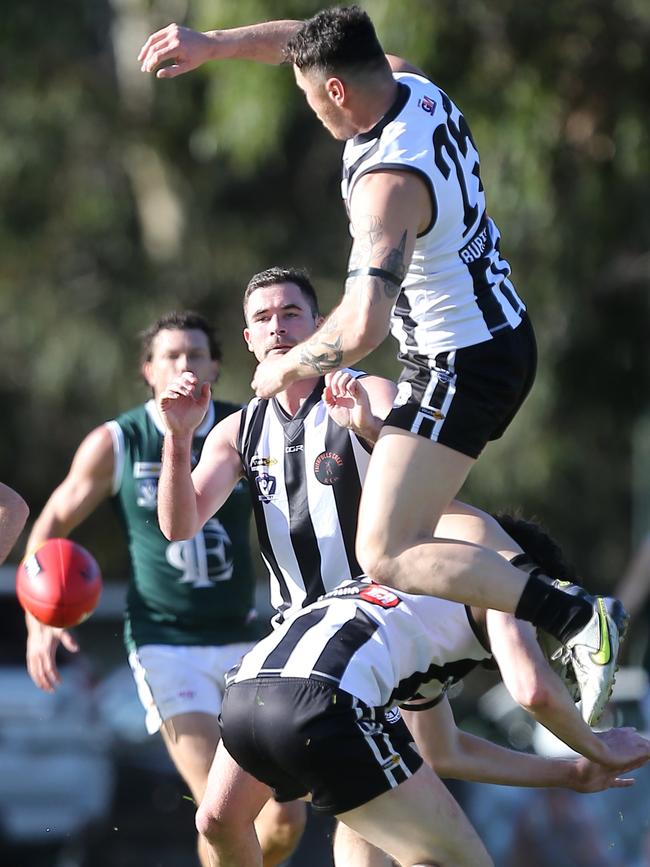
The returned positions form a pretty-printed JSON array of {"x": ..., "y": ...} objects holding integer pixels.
[
  {"x": 175, "y": 680},
  {"x": 191, "y": 740},
  {"x": 232, "y": 795},
  {"x": 419, "y": 822},
  {"x": 409, "y": 484}
]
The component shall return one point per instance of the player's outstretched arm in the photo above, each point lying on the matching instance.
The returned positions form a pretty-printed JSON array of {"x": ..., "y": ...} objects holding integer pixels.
[
  {"x": 13, "y": 515},
  {"x": 184, "y": 49},
  {"x": 88, "y": 483},
  {"x": 532, "y": 683},
  {"x": 187, "y": 499},
  {"x": 456, "y": 754}
]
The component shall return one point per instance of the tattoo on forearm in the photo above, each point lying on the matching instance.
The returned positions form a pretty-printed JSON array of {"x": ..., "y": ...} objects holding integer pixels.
[
  {"x": 367, "y": 252},
  {"x": 324, "y": 362}
]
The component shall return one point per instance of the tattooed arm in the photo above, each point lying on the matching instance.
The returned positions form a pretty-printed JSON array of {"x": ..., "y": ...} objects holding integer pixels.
[{"x": 388, "y": 209}]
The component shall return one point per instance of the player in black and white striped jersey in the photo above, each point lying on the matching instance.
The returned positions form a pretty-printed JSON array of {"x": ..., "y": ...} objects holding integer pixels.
[
  {"x": 425, "y": 261},
  {"x": 305, "y": 473},
  {"x": 306, "y": 712}
]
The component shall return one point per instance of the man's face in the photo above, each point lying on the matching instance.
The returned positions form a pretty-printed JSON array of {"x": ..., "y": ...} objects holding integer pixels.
[
  {"x": 326, "y": 98},
  {"x": 174, "y": 351},
  {"x": 278, "y": 317}
]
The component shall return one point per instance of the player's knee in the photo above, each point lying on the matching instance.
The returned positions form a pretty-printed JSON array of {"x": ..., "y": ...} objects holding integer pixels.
[
  {"x": 215, "y": 827},
  {"x": 280, "y": 833}
]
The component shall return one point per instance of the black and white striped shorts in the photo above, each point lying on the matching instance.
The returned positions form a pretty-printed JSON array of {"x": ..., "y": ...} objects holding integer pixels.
[
  {"x": 465, "y": 398},
  {"x": 307, "y": 737}
]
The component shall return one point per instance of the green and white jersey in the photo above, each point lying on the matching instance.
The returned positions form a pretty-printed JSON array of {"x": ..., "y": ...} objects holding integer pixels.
[{"x": 197, "y": 592}]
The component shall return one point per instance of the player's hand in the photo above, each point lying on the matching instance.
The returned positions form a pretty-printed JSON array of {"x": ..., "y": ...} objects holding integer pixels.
[
  {"x": 625, "y": 748},
  {"x": 270, "y": 377},
  {"x": 184, "y": 49},
  {"x": 348, "y": 404},
  {"x": 42, "y": 642},
  {"x": 184, "y": 403},
  {"x": 592, "y": 777}
]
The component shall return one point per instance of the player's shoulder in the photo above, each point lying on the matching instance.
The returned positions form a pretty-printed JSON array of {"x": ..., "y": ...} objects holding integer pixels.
[{"x": 132, "y": 418}]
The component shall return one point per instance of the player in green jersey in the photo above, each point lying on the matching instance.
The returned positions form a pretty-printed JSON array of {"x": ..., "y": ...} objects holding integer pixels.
[{"x": 190, "y": 605}]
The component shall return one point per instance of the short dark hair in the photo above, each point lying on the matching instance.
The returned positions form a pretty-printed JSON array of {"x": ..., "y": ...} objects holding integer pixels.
[
  {"x": 336, "y": 39},
  {"x": 181, "y": 320},
  {"x": 277, "y": 274},
  {"x": 539, "y": 546}
]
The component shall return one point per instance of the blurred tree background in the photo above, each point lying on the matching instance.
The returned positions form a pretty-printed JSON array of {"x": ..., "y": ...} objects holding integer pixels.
[{"x": 122, "y": 196}]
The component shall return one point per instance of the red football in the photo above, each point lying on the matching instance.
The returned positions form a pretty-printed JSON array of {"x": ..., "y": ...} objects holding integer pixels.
[{"x": 59, "y": 583}]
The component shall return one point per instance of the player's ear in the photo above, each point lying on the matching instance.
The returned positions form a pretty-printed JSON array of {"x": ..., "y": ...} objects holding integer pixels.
[
  {"x": 319, "y": 321},
  {"x": 247, "y": 338},
  {"x": 146, "y": 373},
  {"x": 215, "y": 370},
  {"x": 335, "y": 89}
]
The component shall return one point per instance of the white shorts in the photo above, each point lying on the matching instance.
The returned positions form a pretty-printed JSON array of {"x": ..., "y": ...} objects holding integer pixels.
[{"x": 173, "y": 680}]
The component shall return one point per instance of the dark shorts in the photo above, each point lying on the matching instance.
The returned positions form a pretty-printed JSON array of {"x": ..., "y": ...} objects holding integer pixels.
[
  {"x": 464, "y": 399},
  {"x": 306, "y": 737}
]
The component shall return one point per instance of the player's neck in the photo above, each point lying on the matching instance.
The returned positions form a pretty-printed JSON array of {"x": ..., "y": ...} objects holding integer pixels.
[
  {"x": 296, "y": 394},
  {"x": 375, "y": 104}
]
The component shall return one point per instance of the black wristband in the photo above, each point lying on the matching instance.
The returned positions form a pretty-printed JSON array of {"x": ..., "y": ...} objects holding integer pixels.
[{"x": 375, "y": 272}]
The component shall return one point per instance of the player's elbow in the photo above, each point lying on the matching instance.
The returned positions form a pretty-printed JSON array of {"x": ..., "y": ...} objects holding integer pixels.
[
  {"x": 534, "y": 696},
  {"x": 176, "y": 534},
  {"x": 173, "y": 530}
]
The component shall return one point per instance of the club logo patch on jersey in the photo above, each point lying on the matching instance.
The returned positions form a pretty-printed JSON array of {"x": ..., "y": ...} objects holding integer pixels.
[
  {"x": 367, "y": 590},
  {"x": 266, "y": 486},
  {"x": 427, "y": 104},
  {"x": 147, "y": 493},
  {"x": 379, "y": 595},
  {"x": 204, "y": 560},
  {"x": 258, "y": 461},
  {"x": 328, "y": 468},
  {"x": 392, "y": 715}
]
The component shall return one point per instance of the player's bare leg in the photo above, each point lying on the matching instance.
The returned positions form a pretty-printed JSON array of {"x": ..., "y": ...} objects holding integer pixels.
[
  {"x": 191, "y": 739},
  {"x": 419, "y": 823},
  {"x": 351, "y": 849},
  {"x": 409, "y": 484},
  {"x": 279, "y": 828},
  {"x": 232, "y": 802}
]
